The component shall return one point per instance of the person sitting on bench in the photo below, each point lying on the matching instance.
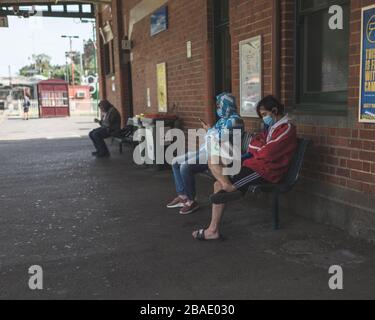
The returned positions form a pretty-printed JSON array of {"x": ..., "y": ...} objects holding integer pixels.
[
  {"x": 268, "y": 159},
  {"x": 186, "y": 166},
  {"x": 110, "y": 125}
]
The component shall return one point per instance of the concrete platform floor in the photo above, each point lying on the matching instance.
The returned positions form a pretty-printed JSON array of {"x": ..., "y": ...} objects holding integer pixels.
[{"x": 100, "y": 230}]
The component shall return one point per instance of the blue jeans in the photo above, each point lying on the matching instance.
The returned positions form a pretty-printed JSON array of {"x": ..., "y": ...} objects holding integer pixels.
[
  {"x": 97, "y": 136},
  {"x": 184, "y": 172}
]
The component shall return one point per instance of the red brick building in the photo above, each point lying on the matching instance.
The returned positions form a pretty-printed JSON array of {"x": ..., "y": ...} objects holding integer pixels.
[{"x": 314, "y": 70}]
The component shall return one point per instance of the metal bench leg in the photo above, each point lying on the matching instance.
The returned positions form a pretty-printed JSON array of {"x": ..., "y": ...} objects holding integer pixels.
[{"x": 275, "y": 210}]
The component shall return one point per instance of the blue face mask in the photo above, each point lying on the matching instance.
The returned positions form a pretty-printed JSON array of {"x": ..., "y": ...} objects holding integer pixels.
[{"x": 269, "y": 121}]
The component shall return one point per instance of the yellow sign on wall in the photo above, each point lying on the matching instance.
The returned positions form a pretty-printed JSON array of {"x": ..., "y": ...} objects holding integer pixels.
[{"x": 161, "y": 71}]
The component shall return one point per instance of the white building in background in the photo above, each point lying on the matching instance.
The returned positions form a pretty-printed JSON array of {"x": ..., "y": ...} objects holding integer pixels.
[{"x": 12, "y": 91}]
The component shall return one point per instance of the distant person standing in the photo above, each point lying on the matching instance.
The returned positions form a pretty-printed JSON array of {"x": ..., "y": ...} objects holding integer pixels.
[
  {"x": 110, "y": 125},
  {"x": 26, "y": 107}
]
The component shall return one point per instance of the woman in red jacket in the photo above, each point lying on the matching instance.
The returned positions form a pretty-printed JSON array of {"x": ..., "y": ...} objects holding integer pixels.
[{"x": 267, "y": 160}]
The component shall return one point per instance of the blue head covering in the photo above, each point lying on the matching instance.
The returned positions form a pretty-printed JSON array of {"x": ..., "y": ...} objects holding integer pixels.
[
  {"x": 227, "y": 111},
  {"x": 226, "y": 104},
  {"x": 229, "y": 118}
]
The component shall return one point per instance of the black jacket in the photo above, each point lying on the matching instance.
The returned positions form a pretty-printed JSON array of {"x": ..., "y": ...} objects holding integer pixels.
[{"x": 112, "y": 121}]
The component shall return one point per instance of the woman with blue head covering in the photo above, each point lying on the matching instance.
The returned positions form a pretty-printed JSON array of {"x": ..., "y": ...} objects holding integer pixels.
[
  {"x": 186, "y": 166},
  {"x": 226, "y": 110},
  {"x": 229, "y": 120}
]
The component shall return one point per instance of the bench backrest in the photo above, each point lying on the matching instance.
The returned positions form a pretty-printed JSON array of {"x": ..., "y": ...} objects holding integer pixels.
[{"x": 296, "y": 165}]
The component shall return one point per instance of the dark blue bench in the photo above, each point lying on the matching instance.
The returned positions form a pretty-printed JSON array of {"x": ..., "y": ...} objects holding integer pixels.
[
  {"x": 125, "y": 136},
  {"x": 286, "y": 184},
  {"x": 276, "y": 189}
]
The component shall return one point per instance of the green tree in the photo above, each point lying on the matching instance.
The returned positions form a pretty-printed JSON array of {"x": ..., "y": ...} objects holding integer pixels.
[
  {"x": 89, "y": 57},
  {"x": 41, "y": 64}
]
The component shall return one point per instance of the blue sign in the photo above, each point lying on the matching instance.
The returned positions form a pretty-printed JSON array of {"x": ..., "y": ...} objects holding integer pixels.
[
  {"x": 159, "y": 20},
  {"x": 367, "y": 94}
]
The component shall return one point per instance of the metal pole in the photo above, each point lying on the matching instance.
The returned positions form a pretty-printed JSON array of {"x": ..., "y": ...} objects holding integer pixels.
[
  {"x": 95, "y": 59},
  {"x": 67, "y": 70},
  {"x": 71, "y": 58},
  {"x": 10, "y": 75},
  {"x": 71, "y": 52},
  {"x": 81, "y": 61},
  {"x": 95, "y": 66}
]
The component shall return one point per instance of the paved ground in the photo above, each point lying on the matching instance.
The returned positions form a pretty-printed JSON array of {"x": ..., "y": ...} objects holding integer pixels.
[
  {"x": 99, "y": 230},
  {"x": 55, "y": 128}
]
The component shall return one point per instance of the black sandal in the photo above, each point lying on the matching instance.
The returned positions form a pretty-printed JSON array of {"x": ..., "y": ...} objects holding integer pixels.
[{"x": 201, "y": 237}]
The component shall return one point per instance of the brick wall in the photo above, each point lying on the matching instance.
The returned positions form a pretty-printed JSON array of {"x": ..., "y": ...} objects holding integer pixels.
[
  {"x": 342, "y": 155},
  {"x": 185, "y": 77},
  {"x": 344, "y": 150},
  {"x": 112, "y": 85},
  {"x": 249, "y": 19}
]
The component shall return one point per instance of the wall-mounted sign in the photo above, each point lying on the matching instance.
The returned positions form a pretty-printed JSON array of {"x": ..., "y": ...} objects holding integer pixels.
[
  {"x": 161, "y": 71},
  {"x": 148, "y": 98},
  {"x": 4, "y": 22},
  {"x": 250, "y": 75},
  {"x": 367, "y": 85},
  {"x": 159, "y": 20},
  {"x": 188, "y": 49}
]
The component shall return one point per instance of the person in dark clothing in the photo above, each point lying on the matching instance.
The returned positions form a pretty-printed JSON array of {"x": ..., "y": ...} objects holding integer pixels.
[
  {"x": 26, "y": 106},
  {"x": 110, "y": 125}
]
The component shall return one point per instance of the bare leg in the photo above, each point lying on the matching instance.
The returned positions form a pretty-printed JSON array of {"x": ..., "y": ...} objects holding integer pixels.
[
  {"x": 217, "y": 171},
  {"x": 212, "y": 232}
]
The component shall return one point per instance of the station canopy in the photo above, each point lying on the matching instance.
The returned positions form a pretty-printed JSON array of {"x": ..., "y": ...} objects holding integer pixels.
[{"x": 50, "y": 8}]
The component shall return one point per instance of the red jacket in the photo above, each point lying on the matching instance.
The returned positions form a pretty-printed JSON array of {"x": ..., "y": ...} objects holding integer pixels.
[{"x": 273, "y": 150}]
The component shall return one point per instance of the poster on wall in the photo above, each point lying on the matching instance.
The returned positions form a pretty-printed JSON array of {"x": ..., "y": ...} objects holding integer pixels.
[
  {"x": 161, "y": 71},
  {"x": 367, "y": 85},
  {"x": 250, "y": 75},
  {"x": 159, "y": 20}
]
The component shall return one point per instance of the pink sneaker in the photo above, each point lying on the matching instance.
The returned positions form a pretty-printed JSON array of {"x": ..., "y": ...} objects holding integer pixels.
[{"x": 176, "y": 203}]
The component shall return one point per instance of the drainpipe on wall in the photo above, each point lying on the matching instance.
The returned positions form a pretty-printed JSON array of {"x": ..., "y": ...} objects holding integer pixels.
[
  {"x": 99, "y": 53},
  {"x": 208, "y": 61},
  {"x": 276, "y": 48},
  {"x": 118, "y": 25}
]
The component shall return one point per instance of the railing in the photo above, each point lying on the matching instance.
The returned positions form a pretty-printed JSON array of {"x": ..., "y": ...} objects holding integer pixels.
[
  {"x": 15, "y": 109},
  {"x": 77, "y": 108},
  {"x": 82, "y": 107}
]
